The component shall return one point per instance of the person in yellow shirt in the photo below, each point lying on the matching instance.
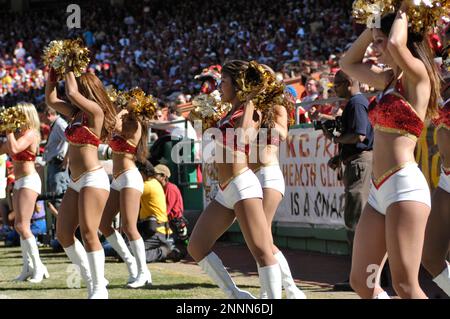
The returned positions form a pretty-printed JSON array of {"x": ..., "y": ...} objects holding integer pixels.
[{"x": 153, "y": 223}]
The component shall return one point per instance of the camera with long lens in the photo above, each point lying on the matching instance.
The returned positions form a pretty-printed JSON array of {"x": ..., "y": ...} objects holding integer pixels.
[
  {"x": 179, "y": 226},
  {"x": 331, "y": 126}
]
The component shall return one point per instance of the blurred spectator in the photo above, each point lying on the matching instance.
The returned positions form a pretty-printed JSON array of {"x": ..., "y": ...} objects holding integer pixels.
[
  {"x": 38, "y": 226},
  {"x": 55, "y": 155},
  {"x": 177, "y": 126},
  {"x": 160, "y": 46},
  {"x": 19, "y": 51}
]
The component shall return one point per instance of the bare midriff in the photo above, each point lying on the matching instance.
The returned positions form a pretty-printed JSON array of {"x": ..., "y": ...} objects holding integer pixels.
[
  {"x": 233, "y": 164},
  {"x": 267, "y": 156},
  {"x": 83, "y": 159},
  {"x": 390, "y": 153},
  {"x": 22, "y": 169},
  {"x": 122, "y": 162}
]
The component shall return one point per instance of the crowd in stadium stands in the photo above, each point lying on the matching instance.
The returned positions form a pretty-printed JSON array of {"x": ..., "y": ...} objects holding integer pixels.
[{"x": 161, "y": 45}]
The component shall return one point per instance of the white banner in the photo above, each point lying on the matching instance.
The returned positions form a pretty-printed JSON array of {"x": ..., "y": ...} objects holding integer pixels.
[{"x": 313, "y": 193}]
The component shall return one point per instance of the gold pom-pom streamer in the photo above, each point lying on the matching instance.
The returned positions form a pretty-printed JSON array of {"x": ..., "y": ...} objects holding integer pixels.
[
  {"x": 209, "y": 109},
  {"x": 367, "y": 11},
  {"x": 112, "y": 93},
  {"x": 12, "y": 119},
  {"x": 252, "y": 80},
  {"x": 140, "y": 103},
  {"x": 426, "y": 14},
  {"x": 422, "y": 14},
  {"x": 66, "y": 55},
  {"x": 269, "y": 91}
]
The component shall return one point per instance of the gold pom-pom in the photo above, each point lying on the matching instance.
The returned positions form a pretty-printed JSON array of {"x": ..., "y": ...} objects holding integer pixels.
[
  {"x": 252, "y": 80},
  {"x": 12, "y": 119},
  {"x": 67, "y": 55},
  {"x": 112, "y": 93},
  {"x": 51, "y": 51},
  {"x": 266, "y": 90},
  {"x": 422, "y": 14},
  {"x": 141, "y": 104},
  {"x": 367, "y": 11},
  {"x": 209, "y": 109},
  {"x": 426, "y": 14}
]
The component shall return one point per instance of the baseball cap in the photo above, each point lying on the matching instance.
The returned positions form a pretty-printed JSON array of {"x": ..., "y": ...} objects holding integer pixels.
[{"x": 162, "y": 169}]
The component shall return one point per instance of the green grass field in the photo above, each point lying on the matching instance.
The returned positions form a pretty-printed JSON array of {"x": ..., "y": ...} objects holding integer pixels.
[{"x": 170, "y": 281}]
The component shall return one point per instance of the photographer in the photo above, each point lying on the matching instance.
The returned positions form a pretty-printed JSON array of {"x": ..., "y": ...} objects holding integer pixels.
[
  {"x": 175, "y": 209},
  {"x": 153, "y": 224},
  {"x": 355, "y": 145}
]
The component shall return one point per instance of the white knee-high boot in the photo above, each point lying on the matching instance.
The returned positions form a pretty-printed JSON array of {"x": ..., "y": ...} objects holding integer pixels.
[
  {"x": 77, "y": 255},
  {"x": 382, "y": 295},
  {"x": 270, "y": 279},
  {"x": 96, "y": 261},
  {"x": 213, "y": 267},
  {"x": 292, "y": 291},
  {"x": 27, "y": 267},
  {"x": 262, "y": 292},
  {"x": 443, "y": 280},
  {"x": 39, "y": 270},
  {"x": 144, "y": 277},
  {"x": 118, "y": 243}
]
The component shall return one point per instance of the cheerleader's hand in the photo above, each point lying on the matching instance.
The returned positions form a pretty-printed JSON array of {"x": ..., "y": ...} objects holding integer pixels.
[{"x": 52, "y": 78}]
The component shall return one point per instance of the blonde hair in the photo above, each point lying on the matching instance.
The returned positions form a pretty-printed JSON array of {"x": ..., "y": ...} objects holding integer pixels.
[{"x": 30, "y": 112}]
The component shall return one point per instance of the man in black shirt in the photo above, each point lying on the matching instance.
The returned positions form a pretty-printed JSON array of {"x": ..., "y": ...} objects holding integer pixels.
[{"x": 355, "y": 144}]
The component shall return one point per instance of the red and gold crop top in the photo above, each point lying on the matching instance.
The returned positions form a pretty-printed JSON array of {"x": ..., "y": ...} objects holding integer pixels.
[
  {"x": 443, "y": 118},
  {"x": 78, "y": 134},
  {"x": 24, "y": 156},
  {"x": 120, "y": 145},
  {"x": 392, "y": 113},
  {"x": 230, "y": 123}
]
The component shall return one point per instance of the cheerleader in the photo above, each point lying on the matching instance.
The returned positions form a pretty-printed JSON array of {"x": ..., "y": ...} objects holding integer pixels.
[
  {"x": 128, "y": 143},
  {"x": 395, "y": 218},
  {"x": 93, "y": 116},
  {"x": 437, "y": 236},
  {"x": 268, "y": 171},
  {"x": 240, "y": 196},
  {"x": 22, "y": 148}
]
